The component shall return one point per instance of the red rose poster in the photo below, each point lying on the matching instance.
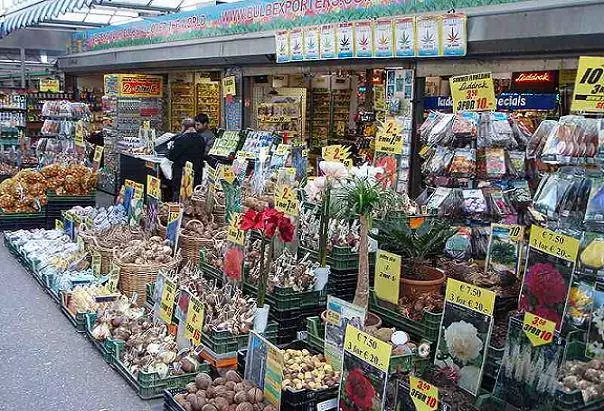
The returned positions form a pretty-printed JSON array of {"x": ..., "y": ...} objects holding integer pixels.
[{"x": 548, "y": 275}]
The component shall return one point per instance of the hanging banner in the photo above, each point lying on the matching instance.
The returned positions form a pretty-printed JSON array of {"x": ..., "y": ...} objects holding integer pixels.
[
  {"x": 473, "y": 92},
  {"x": 383, "y": 37},
  {"x": 49, "y": 85},
  {"x": 133, "y": 85},
  {"x": 453, "y": 34},
  {"x": 328, "y": 41},
  {"x": 345, "y": 40},
  {"x": 404, "y": 37},
  {"x": 312, "y": 39},
  {"x": 296, "y": 42},
  {"x": 282, "y": 46},
  {"x": 229, "y": 87},
  {"x": 363, "y": 39},
  {"x": 589, "y": 86},
  {"x": 428, "y": 33}
]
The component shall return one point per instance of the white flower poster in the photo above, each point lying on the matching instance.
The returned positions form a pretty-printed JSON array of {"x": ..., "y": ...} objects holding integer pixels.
[
  {"x": 363, "y": 39},
  {"x": 453, "y": 34},
  {"x": 328, "y": 41},
  {"x": 312, "y": 39},
  {"x": 282, "y": 46},
  {"x": 404, "y": 37},
  {"x": 383, "y": 37},
  {"x": 345, "y": 40},
  {"x": 595, "y": 336},
  {"x": 296, "y": 42},
  {"x": 428, "y": 34}
]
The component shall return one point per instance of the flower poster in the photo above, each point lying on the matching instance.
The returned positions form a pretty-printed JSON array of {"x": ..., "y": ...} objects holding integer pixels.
[
  {"x": 340, "y": 313},
  {"x": 428, "y": 33},
  {"x": 363, "y": 39},
  {"x": 365, "y": 372},
  {"x": 282, "y": 46},
  {"x": 595, "y": 337},
  {"x": 404, "y": 37},
  {"x": 328, "y": 41},
  {"x": 453, "y": 34},
  {"x": 345, "y": 43},
  {"x": 465, "y": 332},
  {"x": 527, "y": 378},
  {"x": 312, "y": 39},
  {"x": 383, "y": 38},
  {"x": 296, "y": 43},
  {"x": 548, "y": 275}
]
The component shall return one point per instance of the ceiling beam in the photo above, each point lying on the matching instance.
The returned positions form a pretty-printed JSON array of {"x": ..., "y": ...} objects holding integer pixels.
[{"x": 132, "y": 6}]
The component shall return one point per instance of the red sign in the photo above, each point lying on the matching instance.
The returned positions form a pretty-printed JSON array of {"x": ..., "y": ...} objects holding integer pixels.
[
  {"x": 545, "y": 81},
  {"x": 140, "y": 86}
]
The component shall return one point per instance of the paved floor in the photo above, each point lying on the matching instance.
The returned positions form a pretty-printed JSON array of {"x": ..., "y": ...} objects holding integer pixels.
[{"x": 44, "y": 364}]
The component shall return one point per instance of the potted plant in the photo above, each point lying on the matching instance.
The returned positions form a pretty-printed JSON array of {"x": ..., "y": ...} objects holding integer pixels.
[
  {"x": 267, "y": 223},
  {"x": 418, "y": 247},
  {"x": 319, "y": 191}
]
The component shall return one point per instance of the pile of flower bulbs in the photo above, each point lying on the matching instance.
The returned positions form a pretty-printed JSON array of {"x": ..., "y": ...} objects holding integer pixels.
[
  {"x": 286, "y": 271},
  {"x": 102, "y": 217},
  {"x": 340, "y": 233},
  {"x": 588, "y": 377},
  {"x": 43, "y": 247},
  {"x": 82, "y": 298}
]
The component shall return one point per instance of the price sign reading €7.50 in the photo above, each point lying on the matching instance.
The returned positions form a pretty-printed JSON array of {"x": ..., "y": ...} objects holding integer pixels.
[
  {"x": 470, "y": 296},
  {"x": 423, "y": 395},
  {"x": 367, "y": 348},
  {"x": 538, "y": 330},
  {"x": 194, "y": 323},
  {"x": 553, "y": 243},
  {"x": 389, "y": 139}
]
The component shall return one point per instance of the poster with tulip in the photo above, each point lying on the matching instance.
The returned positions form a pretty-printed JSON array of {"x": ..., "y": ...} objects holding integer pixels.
[
  {"x": 345, "y": 41},
  {"x": 453, "y": 34},
  {"x": 363, "y": 39},
  {"x": 427, "y": 36},
  {"x": 364, "y": 372}
]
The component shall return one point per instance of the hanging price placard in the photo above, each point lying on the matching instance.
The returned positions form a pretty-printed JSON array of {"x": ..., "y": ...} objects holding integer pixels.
[
  {"x": 538, "y": 330},
  {"x": 423, "y": 395},
  {"x": 228, "y": 86},
  {"x": 553, "y": 243},
  {"x": 235, "y": 234},
  {"x": 588, "y": 95},
  {"x": 470, "y": 296},
  {"x": 166, "y": 304},
  {"x": 286, "y": 200},
  {"x": 96, "y": 159},
  {"x": 335, "y": 152},
  {"x": 367, "y": 348},
  {"x": 473, "y": 92},
  {"x": 226, "y": 173},
  {"x": 194, "y": 323},
  {"x": 387, "y": 276}
]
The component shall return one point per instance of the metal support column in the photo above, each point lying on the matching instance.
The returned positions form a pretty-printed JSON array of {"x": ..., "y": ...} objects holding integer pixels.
[
  {"x": 22, "y": 50},
  {"x": 415, "y": 176}
]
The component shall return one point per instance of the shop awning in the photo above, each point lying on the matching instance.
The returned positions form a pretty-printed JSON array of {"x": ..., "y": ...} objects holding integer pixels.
[{"x": 40, "y": 12}]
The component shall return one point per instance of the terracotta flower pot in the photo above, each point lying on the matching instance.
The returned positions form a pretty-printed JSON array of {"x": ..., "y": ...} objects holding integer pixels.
[
  {"x": 433, "y": 279},
  {"x": 370, "y": 320}
]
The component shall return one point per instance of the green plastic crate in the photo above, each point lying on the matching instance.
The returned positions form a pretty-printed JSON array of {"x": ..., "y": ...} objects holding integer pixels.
[
  {"x": 211, "y": 272},
  {"x": 286, "y": 299},
  {"x": 427, "y": 328},
  {"x": 78, "y": 320},
  {"x": 151, "y": 385},
  {"x": 101, "y": 346},
  {"x": 223, "y": 342}
]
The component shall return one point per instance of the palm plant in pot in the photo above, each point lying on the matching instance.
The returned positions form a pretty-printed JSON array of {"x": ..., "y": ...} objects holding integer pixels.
[{"x": 419, "y": 248}]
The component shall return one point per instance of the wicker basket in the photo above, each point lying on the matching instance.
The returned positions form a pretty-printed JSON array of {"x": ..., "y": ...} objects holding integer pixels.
[
  {"x": 134, "y": 277},
  {"x": 198, "y": 201},
  {"x": 106, "y": 253},
  {"x": 190, "y": 245}
]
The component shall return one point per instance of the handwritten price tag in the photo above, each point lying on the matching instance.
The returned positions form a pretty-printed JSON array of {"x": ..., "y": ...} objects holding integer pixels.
[
  {"x": 473, "y": 92},
  {"x": 59, "y": 225},
  {"x": 166, "y": 304},
  {"x": 470, "y": 296},
  {"x": 282, "y": 149},
  {"x": 367, "y": 348},
  {"x": 286, "y": 200},
  {"x": 194, "y": 324},
  {"x": 335, "y": 152},
  {"x": 553, "y": 243},
  {"x": 538, "y": 330},
  {"x": 96, "y": 263},
  {"x": 333, "y": 317},
  {"x": 389, "y": 139},
  {"x": 387, "y": 276},
  {"x": 235, "y": 234},
  {"x": 423, "y": 395},
  {"x": 226, "y": 173}
]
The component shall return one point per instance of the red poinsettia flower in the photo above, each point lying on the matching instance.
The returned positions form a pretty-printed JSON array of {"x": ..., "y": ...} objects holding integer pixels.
[
  {"x": 359, "y": 389},
  {"x": 251, "y": 220},
  {"x": 233, "y": 262}
]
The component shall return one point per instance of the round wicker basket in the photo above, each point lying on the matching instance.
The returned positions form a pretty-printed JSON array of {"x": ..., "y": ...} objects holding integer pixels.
[{"x": 190, "y": 245}]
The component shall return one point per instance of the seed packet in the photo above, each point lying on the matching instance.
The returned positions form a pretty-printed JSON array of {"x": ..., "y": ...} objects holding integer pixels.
[
  {"x": 539, "y": 138},
  {"x": 595, "y": 336},
  {"x": 480, "y": 241},
  {"x": 473, "y": 202},
  {"x": 439, "y": 162},
  {"x": 502, "y": 136},
  {"x": 522, "y": 129},
  {"x": 527, "y": 378},
  {"x": 495, "y": 162},
  {"x": 427, "y": 126},
  {"x": 459, "y": 245},
  {"x": 590, "y": 265},
  {"x": 499, "y": 204},
  {"x": 516, "y": 164},
  {"x": 520, "y": 193},
  {"x": 463, "y": 163},
  {"x": 580, "y": 302},
  {"x": 465, "y": 124},
  {"x": 594, "y": 213},
  {"x": 441, "y": 132},
  {"x": 549, "y": 194},
  {"x": 443, "y": 201}
]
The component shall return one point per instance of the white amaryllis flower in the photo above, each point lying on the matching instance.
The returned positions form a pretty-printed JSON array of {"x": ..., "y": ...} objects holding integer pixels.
[
  {"x": 314, "y": 189},
  {"x": 469, "y": 376},
  {"x": 333, "y": 169},
  {"x": 462, "y": 341},
  {"x": 366, "y": 172}
]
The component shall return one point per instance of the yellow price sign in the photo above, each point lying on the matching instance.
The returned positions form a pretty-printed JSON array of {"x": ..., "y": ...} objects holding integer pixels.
[
  {"x": 273, "y": 376},
  {"x": 114, "y": 278},
  {"x": 588, "y": 95},
  {"x": 367, "y": 348},
  {"x": 173, "y": 213},
  {"x": 286, "y": 200},
  {"x": 234, "y": 233},
  {"x": 305, "y": 153},
  {"x": 333, "y": 317},
  {"x": 228, "y": 86},
  {"x": 387, "y": 276},
  {"x": 59, "y": 225},
  {"x": 186, "y": 183},
  {"x": 166, "y": 304},
  {"x": 553, "y": 243},
  {"x": 335, "y": 152},
  {"x": 539, "y": 331},
  {"x": 194, "y": 323},
  {"x": 49, "y": 85},
  {"x": 389, "y": 138},
  {"x": 96, "y": 263},
  {"x": 98, "y": 155},
  {"x": 153, "y": 187},
  {"x": 423, "y": 394},
  {"x": 139, "y": 190},
  {"x": 226, "y": 173},
  {"x": 473, "y": 92},
  {"x": 282, "y": 149},
  {"x": 470, "y": 296}
]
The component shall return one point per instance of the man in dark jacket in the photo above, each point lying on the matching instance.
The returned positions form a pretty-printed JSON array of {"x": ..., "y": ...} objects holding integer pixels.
[{"x": 188, "y": 146}]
